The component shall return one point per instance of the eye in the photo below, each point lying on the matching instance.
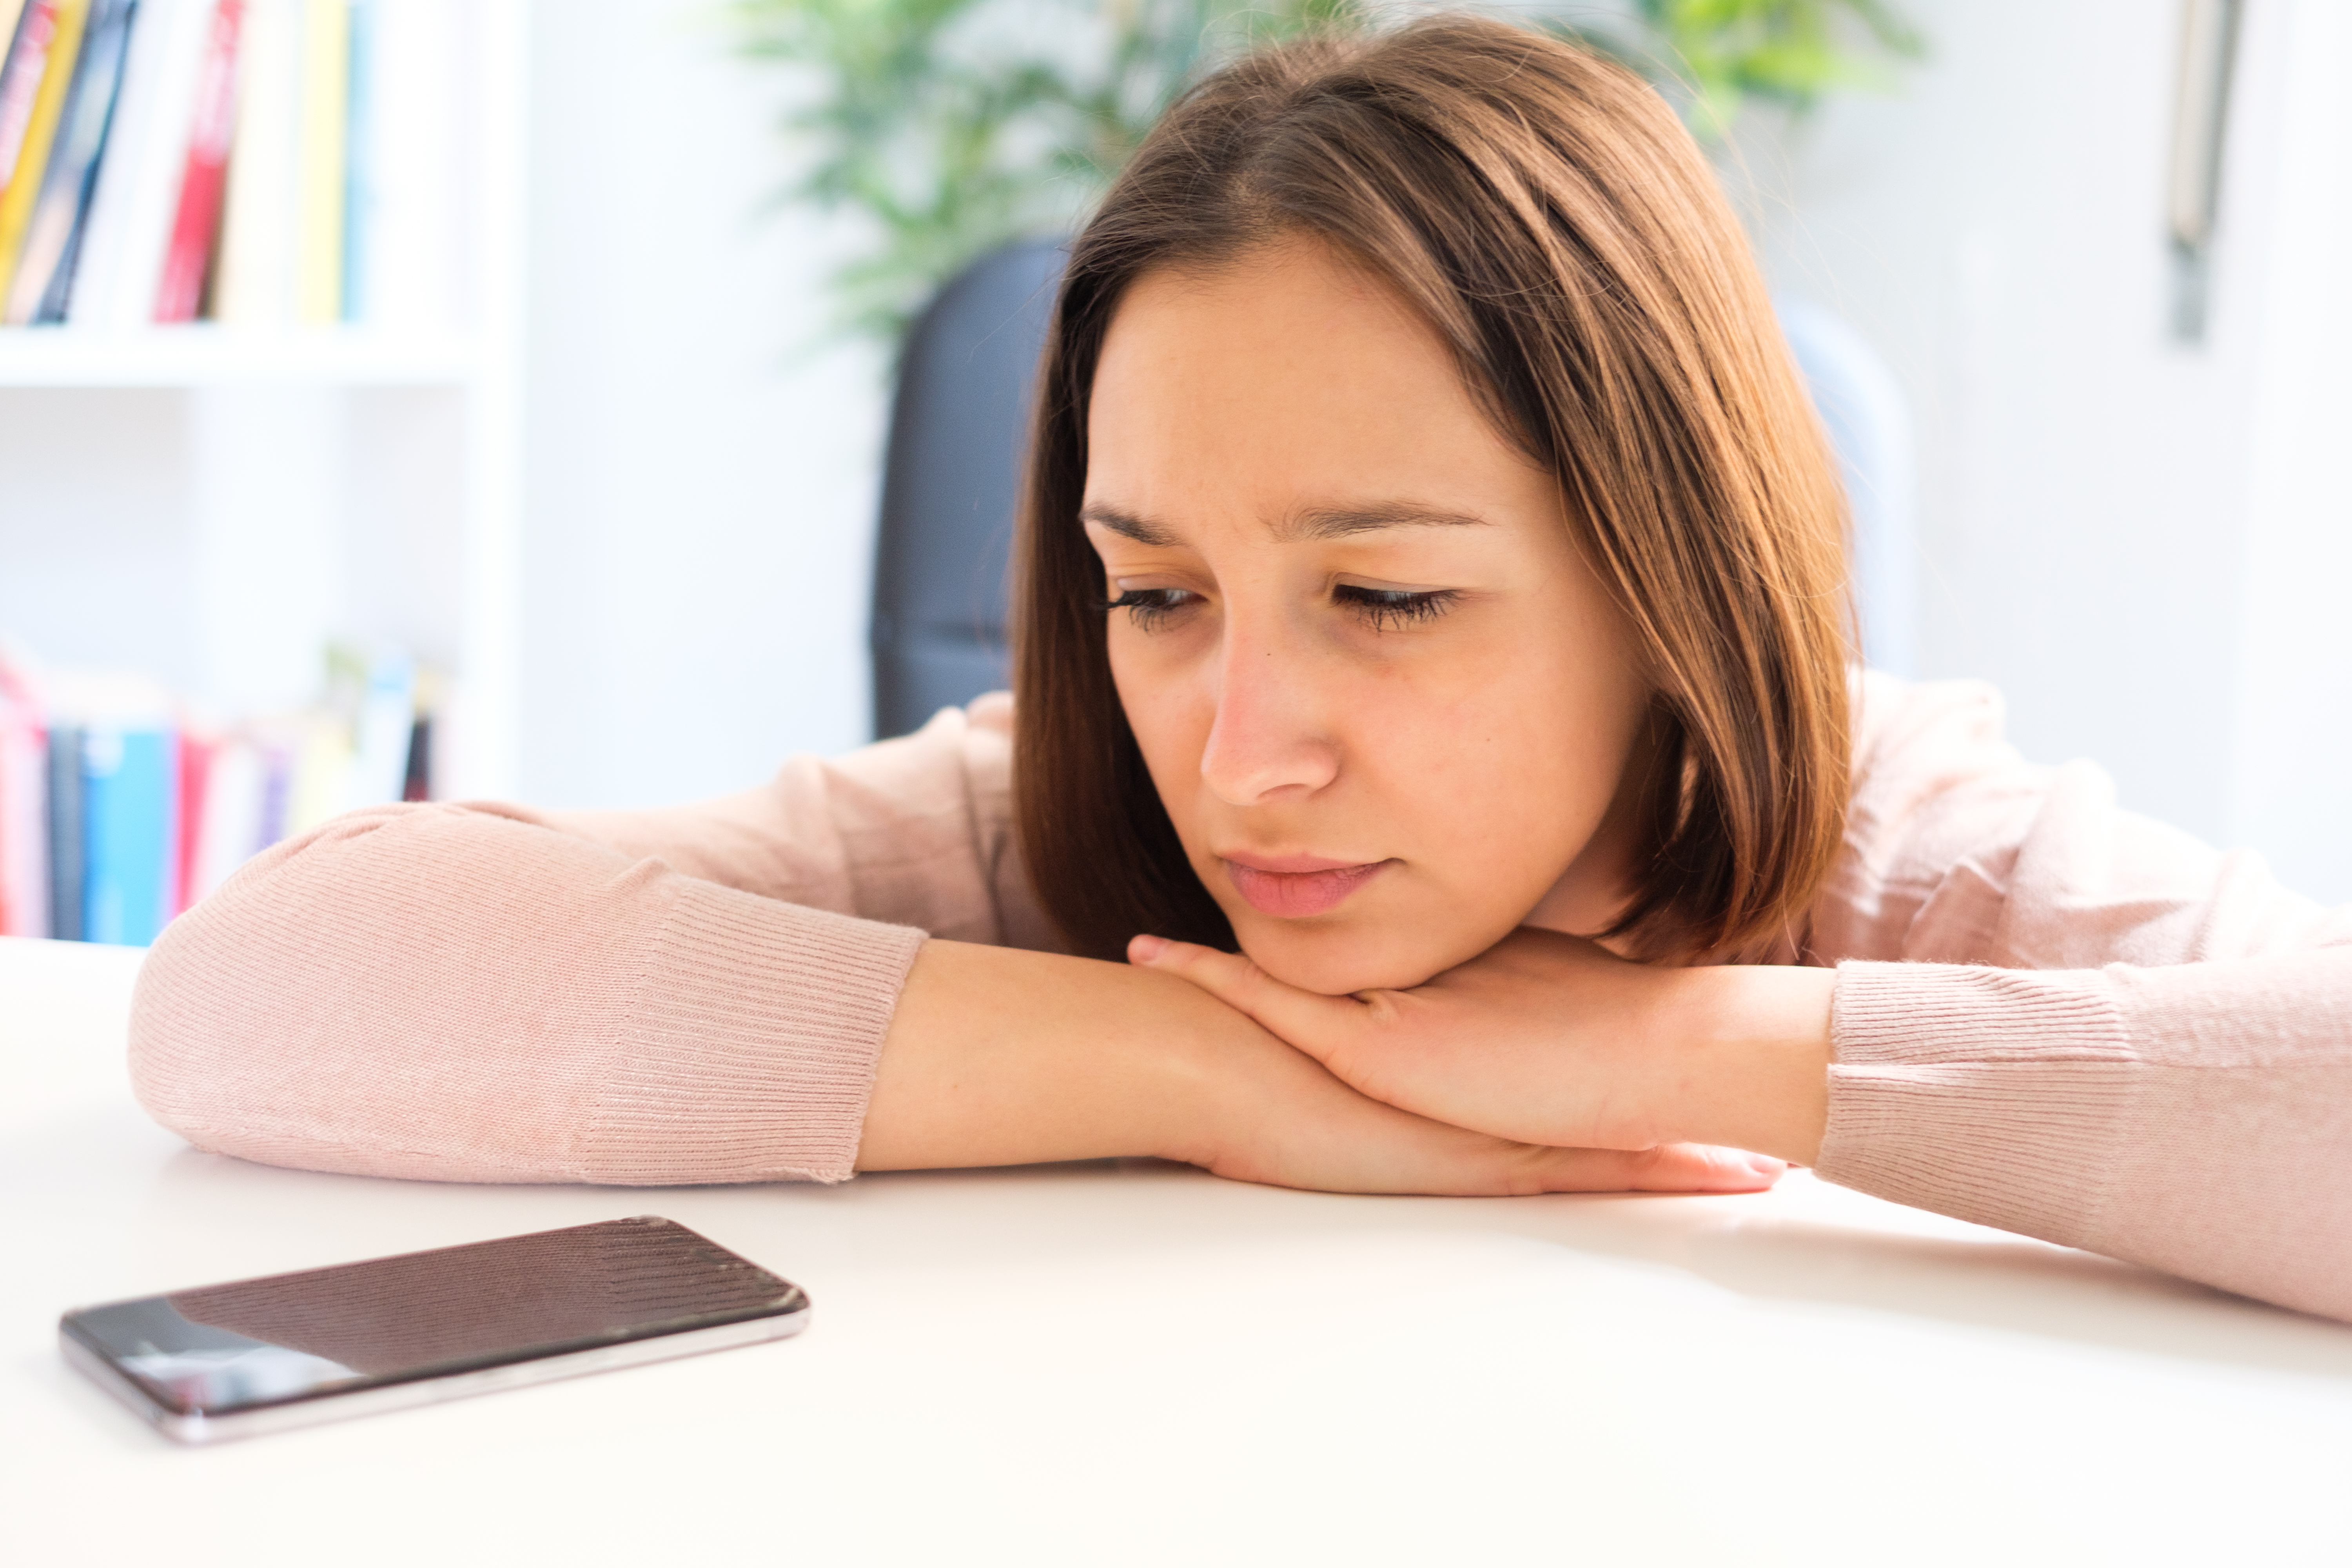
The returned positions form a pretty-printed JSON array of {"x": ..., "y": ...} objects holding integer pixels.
[
  {"x": 1386, "y": 609},
  {"x": 1151, "y": 607}
]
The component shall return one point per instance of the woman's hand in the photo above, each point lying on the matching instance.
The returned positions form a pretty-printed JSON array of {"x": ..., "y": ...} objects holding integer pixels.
[
  {"x": 1551, "y": 1040},
  {"x": 996, "y": 1056}
]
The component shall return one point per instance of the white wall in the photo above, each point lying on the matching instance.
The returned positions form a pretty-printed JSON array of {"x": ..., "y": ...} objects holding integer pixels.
[
  {"x": 2137, "y": 540},
  {"x": 700, "y": 488}
]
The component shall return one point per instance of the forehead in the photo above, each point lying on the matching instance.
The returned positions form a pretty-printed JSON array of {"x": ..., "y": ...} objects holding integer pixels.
[{"x": 1287, "y": 381}]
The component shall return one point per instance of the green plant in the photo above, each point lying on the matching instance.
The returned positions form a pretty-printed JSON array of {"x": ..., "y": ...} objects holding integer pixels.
[
  {"x": 953, "y": 126},
  {"x": 1788, "y": 52}
]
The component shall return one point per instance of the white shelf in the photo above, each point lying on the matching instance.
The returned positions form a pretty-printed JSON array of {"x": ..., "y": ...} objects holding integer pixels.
[
  {"x": 227, "y": 537},
  {"x": 195, "y": 357}
]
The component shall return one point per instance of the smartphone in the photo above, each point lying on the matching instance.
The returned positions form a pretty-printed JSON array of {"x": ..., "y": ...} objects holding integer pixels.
[{"x": 261, "y": 1356}]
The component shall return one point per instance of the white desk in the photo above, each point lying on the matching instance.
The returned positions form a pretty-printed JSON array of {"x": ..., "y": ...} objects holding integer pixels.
[{"x": 1119, "y": 1365}]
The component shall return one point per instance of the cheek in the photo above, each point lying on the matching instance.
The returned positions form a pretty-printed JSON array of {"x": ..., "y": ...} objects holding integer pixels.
[
  {"x": 1499, "y": 770},
  {"x": 1169, "y": 708},
  {"x": 1501, "y": 773}
]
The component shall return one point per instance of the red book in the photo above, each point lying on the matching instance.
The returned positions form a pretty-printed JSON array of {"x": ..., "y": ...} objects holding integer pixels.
[
  {"x": 195, "y": 773},
  {"x": 197, "y": 219}
]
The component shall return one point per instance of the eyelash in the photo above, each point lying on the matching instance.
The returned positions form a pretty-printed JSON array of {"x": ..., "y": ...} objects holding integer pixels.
[{"x": 1384, "y": 609}]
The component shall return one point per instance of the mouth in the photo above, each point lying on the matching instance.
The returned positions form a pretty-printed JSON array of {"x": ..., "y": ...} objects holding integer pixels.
[{"x": 1297, "y": 886}]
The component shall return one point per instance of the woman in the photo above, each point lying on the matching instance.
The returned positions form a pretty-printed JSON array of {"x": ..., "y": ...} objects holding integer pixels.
[{"x": 1433, "y": 589}]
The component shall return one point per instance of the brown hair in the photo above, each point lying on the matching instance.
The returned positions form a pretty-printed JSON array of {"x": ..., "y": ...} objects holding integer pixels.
[{"x": 1549, "y": 216}]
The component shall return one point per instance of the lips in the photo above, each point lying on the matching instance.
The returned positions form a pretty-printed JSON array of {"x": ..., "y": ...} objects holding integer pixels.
[{"x": 1297, "y": 886}]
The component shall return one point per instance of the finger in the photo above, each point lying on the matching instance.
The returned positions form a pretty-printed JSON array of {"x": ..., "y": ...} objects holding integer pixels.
[
  {"x": 1668, "y": 1168},
  {"x": 1305, "y": 1019}
]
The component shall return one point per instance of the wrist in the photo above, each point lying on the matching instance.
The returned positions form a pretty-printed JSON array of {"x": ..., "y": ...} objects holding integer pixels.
[
  {"x": 1204, "y": 1074},
  {"x": 1751, "y": 1058}
]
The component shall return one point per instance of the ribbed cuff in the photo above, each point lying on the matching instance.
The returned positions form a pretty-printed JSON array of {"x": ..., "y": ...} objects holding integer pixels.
[
  {"x": 751, "y": 1043},
  {"x": 1992, "y": 1095}
]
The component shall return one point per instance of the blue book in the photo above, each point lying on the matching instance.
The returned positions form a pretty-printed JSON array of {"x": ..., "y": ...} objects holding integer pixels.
[
  {"x": 359, "y": 163},
  {"x": 130, "y": 797},
  {"x": 66, "y": 836},
  {"x": 44, "y": 281}
]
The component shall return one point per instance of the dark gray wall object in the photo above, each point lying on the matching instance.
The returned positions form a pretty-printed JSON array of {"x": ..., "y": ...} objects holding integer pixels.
[
  {"x": 956, "y": 431},
  {"x": 949, "y": 486}
]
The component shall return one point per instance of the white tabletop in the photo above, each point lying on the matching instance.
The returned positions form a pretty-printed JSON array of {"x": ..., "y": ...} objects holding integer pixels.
[{"x": 1136, "y": 1363}]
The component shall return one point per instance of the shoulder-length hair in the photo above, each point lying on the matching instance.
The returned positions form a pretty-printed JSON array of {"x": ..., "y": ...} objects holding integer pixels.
[{"x": 1548, "y": 214}]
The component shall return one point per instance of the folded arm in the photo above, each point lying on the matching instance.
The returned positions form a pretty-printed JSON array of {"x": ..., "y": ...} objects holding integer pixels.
[{"x": 740, "y": 991}]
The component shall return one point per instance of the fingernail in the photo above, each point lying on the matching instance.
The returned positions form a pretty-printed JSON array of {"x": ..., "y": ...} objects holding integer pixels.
[
  {"x": 1768, "y": 1167},
  {"x": 1144, "y": 949}
]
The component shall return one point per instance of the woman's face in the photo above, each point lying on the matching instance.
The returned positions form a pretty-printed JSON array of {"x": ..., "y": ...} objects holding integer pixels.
[{"x": 1391, "y": 710}]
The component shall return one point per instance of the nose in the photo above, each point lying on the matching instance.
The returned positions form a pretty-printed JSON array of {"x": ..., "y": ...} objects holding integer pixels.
[{"x": 1270, "y": 741}]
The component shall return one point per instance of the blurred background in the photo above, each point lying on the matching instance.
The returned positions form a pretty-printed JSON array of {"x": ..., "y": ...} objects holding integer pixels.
[{"x": 579, "y": 455}]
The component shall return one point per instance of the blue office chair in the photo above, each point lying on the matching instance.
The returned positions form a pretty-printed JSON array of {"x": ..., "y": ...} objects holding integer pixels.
[{"x": 949, "y": 488}]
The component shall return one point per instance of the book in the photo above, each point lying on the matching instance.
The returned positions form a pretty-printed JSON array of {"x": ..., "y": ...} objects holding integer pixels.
[
  {"x": 204, "y": 176},
  {"x": 10, "y": 10},
  {"x": 359, "y": 157},
  {"x": 198, "y": 752},
  {"x": 419, "y": 785},
  {"x": 323, "y": 143},
  {"x": 386, "y": 722},
  {"x": 65, "y": 824},
  {"x": 24, "y": 810},
  {"x": 131, "y": 826},
  {"x": 319, "y": 782},
  {"x": 227, "y": 826},
  {"x": 60, "y": 47},
  {"x": 254, "y": 283},
  {"x": 30, "y": 39},
  {"x": 413, "y": 145},
  {"x": 45, "y": 268},
  {"x": 120, "y": 261},
  {"x": 117, "y": 814}
]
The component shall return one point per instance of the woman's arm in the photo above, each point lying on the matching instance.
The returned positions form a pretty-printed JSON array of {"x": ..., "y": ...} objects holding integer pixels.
[
  {"x": 2048, "y": 1015},
  {"x": 997, "y": 1057},
  {"x": 455, "y": 993}
]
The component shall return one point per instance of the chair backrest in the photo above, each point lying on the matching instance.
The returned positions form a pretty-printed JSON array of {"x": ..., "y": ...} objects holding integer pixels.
[
  {"x": 1869, "y": 423},
  {"x": 950, "y": 488}
]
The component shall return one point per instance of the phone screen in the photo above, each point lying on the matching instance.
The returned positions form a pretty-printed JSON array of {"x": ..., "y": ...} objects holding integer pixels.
[{"x": 327, "y": 1331}]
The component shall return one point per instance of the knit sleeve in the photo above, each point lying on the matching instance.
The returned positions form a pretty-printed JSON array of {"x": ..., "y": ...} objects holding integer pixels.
[
  {"x": 2061, "y": 1018},
  {"x": 492, "y": 994}
]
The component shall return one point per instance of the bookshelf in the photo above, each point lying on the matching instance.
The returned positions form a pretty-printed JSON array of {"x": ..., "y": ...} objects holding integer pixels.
[
  {"x": 306, "y": 482},
  {"x": 207, "y": 355}
]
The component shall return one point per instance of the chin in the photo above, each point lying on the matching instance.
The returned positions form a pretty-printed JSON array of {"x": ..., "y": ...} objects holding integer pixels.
[{"x": 1338, "y": 962}]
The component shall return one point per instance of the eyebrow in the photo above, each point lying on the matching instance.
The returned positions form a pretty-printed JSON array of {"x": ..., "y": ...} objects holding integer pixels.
[{"x": 1322, "y": 522}]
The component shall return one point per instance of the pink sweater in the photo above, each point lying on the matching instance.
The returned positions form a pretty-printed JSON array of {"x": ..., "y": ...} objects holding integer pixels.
[{"x": 2050, "y": 1015}]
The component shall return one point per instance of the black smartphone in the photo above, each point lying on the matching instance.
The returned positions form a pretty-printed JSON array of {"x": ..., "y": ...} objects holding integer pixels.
[{"x": 259, "y": 1355}]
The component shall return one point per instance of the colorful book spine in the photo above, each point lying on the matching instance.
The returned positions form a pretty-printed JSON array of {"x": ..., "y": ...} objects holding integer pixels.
[
  {"x": 116, "y": 817},
  {"x": 32, "y": 153},
  {"x": 322, "y": 146},
  {"x": 415, "y": 166},
  {"x": 11, "y": 12},
  {"x": 66, "y": 832},
  {"x": 24, "y": 813},
  {"x": 120, "y": 258},
  {"x": 27, "y": 61},
  {"x": 255, "y": 285},
  {"x": 130, "y": 779},
  {"x": 57, "y": 72},
  {"x": 199, "y": 754},
  {"x": 358, "y": 158},
  {"x": 231, "y": 822},
  {"x": 45, "y": 271},
  {"x": 195, "y": 221}
]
